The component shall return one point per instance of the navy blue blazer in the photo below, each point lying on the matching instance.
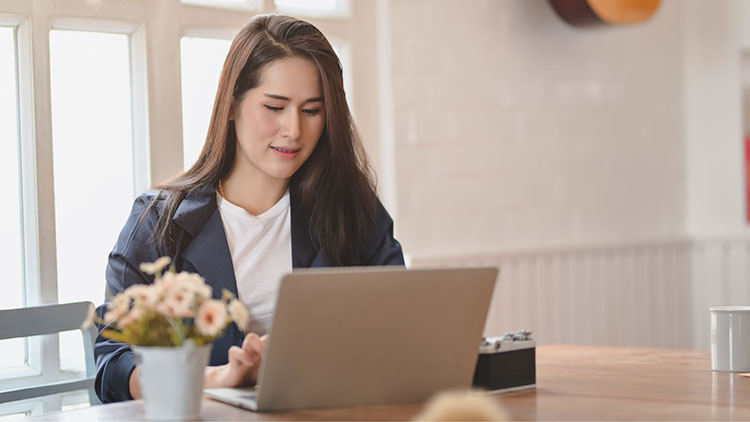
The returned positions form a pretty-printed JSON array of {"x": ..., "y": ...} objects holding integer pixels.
[{"x": 202, "y": 248}]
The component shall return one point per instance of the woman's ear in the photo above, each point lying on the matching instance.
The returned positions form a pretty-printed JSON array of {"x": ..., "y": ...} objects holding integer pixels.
[{"x": 231, "y": 110}]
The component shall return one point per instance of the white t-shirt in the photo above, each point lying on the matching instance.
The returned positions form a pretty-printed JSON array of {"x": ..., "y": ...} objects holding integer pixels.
[{"x": 261, "y": 249}]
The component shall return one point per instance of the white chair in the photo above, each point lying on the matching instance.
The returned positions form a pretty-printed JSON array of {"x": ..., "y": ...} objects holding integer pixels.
[{"x": 51, "y": 319}]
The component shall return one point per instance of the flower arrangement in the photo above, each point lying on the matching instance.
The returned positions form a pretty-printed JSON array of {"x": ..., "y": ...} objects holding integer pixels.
[{"x": 175, "y": 308}]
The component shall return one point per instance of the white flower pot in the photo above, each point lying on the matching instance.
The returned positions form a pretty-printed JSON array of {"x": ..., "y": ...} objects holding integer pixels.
[{"x": 171, "y": 380}]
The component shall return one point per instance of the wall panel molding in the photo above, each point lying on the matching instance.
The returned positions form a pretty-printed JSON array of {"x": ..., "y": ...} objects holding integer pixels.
[{"x": 642, "y": 294}]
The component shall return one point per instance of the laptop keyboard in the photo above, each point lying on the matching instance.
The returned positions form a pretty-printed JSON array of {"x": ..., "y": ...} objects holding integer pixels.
[{"x": 249, "y": 396}]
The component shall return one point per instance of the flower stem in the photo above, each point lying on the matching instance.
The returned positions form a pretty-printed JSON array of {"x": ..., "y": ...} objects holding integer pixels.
[{"x": 178, "y": 329}]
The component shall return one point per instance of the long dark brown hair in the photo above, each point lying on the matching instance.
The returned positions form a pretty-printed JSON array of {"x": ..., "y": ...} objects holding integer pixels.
[{"x": 335, "y": 185}]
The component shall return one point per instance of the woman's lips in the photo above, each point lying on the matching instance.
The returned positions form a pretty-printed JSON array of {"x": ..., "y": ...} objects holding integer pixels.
[{"x": 286, "y": 152}]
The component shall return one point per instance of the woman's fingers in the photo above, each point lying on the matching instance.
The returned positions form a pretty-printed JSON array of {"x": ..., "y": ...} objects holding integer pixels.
[
  {"x": 244, "y": 361},
  {"x": 251, "y": 352},
  {"x": 254, "y": 345},
  {"x": 250, "y": 340},
  {"x": 240, "y": 356}
]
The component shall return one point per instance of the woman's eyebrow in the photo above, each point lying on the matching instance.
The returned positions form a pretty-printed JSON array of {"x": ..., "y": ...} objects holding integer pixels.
[{"x": 281, "y": 97}]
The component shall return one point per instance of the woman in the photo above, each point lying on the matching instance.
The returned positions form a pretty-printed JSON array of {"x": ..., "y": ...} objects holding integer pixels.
[{"x": 282, "y": 182}]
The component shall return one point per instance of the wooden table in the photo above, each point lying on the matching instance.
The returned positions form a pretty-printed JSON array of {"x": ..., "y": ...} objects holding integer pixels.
[{"x": 573, "y": 383}]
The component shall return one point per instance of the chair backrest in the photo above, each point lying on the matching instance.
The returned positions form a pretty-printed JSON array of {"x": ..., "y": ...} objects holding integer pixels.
[{"x": 51, "y": 319}]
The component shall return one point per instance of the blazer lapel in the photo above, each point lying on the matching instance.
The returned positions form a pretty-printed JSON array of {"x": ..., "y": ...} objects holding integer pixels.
[
  {"x": 209, "y": 254},
  {"x": 208, "y": 250}
]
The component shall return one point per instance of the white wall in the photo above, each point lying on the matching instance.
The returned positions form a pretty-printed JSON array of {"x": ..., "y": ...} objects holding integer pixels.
[
  {"x": 600, "y": 168},
  {"x": 515, "y": 130},
  {"x": 713, "y": 116}
]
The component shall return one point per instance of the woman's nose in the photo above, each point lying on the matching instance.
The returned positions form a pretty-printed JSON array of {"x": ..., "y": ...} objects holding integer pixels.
[{"x": 291, "y": 125}]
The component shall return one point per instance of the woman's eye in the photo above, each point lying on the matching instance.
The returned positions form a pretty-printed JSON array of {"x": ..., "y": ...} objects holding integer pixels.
[
  {"x": 272, "y": 108},
  {"x": 311, "y": 112}
]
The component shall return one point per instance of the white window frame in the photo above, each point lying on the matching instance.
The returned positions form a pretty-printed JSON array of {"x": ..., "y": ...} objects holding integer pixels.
[
  {"x": 155, "y": 29},
  {"x": 27, "y": 156}
]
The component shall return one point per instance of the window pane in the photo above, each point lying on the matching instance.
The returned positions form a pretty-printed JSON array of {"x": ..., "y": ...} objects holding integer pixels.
[
  {"x": 307, "y": 4},
  {"x": 12, "y": 352},
  {"x": 93, "y": 158},
  {"x": 228, "y": 4},
  {"x": 313, "y": 7},
  {"x": 202, "y": 60},
  {"x": 72, "y": 356}
]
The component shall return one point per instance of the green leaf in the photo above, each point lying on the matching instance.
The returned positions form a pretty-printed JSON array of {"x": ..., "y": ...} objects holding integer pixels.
[{"x": 117, "y": 336}]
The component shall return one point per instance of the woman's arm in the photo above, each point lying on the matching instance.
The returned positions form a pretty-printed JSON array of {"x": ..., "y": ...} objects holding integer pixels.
[
  {"x": 115, "y": 361},
  {"x": 382, "y": 248},
  {"x": 134, "y": 384}
]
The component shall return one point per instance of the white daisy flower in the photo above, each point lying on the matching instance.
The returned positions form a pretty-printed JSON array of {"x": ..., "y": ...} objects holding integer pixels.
[
  {"x": 240, "y": 314},
  {"x": 156, "y": 266}
]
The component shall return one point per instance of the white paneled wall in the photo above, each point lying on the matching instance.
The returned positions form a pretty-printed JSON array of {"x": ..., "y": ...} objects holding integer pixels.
[{"x": 650, "y": 294}]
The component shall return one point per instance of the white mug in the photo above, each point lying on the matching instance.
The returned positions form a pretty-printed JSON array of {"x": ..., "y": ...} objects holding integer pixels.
[{"x": 730, "y": 338}]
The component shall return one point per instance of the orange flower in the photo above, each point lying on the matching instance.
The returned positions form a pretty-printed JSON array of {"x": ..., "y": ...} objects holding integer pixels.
[
  {"x": 212, "y": 317},
  {"x": 177, "y": 304}
]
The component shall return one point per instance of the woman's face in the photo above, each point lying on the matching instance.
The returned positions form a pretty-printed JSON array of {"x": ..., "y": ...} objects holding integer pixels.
[{"x": 279, "y": 122}]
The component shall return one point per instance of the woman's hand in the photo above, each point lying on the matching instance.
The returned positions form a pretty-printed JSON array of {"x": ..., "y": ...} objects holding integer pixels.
[{"x": 243, "y": 366}]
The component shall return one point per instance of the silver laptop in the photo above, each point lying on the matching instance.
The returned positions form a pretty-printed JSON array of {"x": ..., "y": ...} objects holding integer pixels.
[{"x": 369, "y": 335}]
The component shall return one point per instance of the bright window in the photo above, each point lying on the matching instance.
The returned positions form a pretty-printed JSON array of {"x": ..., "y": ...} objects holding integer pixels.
[
  {"x": 13, "y": 352},
  {"x": 343, "y": 51},
  {"x": 202, "y": 61},
  {"x": 229, "y": 4},
  {"x": 93, "y": 162},
  {"x": 313, "y": 7}
]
